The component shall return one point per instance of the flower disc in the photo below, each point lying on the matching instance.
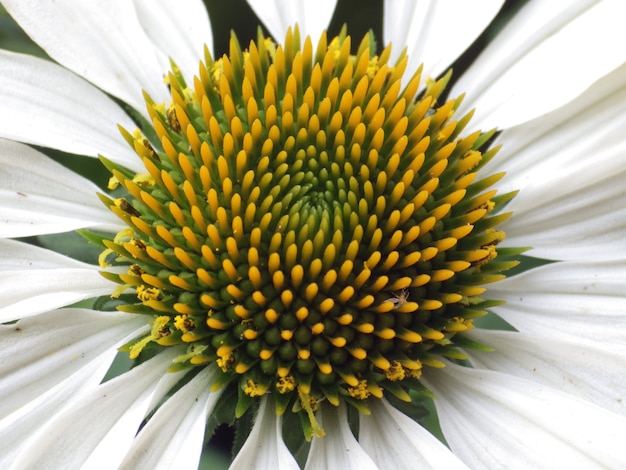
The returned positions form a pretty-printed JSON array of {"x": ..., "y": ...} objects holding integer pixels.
[{"x": 310, "y": 221}]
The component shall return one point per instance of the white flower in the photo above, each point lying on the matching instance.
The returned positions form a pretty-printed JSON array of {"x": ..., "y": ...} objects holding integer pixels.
[{"x": 551, "y": 395}]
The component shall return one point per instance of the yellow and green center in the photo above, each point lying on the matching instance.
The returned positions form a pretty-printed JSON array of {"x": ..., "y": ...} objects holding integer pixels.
[{"x": 310, "y": 221}]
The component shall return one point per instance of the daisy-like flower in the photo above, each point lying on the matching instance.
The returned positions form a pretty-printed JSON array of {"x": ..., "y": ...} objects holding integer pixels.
[{"x": 304, "y": 235}]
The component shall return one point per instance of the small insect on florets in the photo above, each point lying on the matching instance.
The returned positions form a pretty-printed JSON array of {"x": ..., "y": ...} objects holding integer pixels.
[{"x": 399, "y": 298}]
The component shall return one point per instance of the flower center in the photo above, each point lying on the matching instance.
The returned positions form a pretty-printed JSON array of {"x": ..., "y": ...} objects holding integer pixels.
[{"x": 310, "y": 221}]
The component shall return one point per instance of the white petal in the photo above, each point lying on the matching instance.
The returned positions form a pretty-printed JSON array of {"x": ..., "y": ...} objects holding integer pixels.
[
  {"x": 338, "y": 448},
  {"x": 40, "y": 351},
  {"x": 589, "y": 373},
  {"x": 50, "y": 362},
  {"x": 594, "y": 118},
  {"x": 572, "y": 301},
  {"x": 587, "y": 223},
  {"x": 51, "y": 107},
  {"x": 435, "y": 32},
  {"x": 548, "y": 54},
  {"x": 40, "y": 196},
  {"x": 35, "y": 280},
  {"x": 394, "y": 440},
  {"x": 174, "y": 436},
  {"x": 17, "y": 428},
  {"x": 569, "y": 168},
  {"x": 100, "y": 41},
  {"x": 494, "y": 420},
  {"x": 180, "y": 32},
  {"x": 119, "y": 438},
  {"x": 278, "y": 16},
  {"x": 264, "y": 447},
  {"x": 106, "y": 418}
]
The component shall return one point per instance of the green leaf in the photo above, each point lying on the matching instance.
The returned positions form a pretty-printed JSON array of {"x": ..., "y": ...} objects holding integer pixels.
[
  {"x": 243, "y": 426},
  {"x": 493, "y": 322},
  {"x": 214, "y": 458},
  {"x": 71, "y": 244},
  {"x": 464, "y": 342}
]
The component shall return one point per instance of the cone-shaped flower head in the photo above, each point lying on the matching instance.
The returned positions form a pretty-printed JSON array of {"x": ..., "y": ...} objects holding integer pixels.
[{"x": 311, "y": 221}]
